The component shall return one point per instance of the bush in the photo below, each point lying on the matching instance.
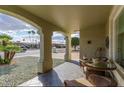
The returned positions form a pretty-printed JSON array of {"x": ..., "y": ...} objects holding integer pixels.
[{"x": 8, "y": 47}]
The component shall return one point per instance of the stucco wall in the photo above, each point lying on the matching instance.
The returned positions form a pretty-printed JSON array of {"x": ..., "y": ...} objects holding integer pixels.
[
  {"x": 107, "y": 35},
  {"x": 97, "y": 36}
]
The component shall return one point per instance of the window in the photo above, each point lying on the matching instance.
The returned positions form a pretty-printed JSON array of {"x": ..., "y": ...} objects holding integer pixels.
[{"x": 120, "y": 40}]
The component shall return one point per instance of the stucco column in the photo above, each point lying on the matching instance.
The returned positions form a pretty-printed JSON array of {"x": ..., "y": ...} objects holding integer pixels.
[
  {"x": 40, "y": 63},
  {"x": 45, "y": 63},
  {"x": 68, "y": 48}
]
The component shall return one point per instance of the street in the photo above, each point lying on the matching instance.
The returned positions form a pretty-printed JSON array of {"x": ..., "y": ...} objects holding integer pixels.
[{"x": 36, "y": 53}]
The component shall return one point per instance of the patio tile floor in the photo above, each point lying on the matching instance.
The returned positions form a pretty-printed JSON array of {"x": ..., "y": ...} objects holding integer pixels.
[{"x": 56, "y": 77}]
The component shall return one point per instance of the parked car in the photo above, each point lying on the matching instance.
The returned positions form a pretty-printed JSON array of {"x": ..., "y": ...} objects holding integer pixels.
[
  {"x": 27, "y": 46},
  {"x": 54, "y": 50},
  {"x": 23, "y": 49}
]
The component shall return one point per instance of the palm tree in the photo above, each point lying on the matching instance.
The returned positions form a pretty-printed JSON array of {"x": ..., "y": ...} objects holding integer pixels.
[
  {"x": 29, "y": 32},
  {"x": 8, "y": 48},
  {"x": 32, "y": 32}
]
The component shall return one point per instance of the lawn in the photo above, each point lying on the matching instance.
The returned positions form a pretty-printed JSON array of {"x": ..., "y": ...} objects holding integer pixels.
[{"x": 24, "y": 70}]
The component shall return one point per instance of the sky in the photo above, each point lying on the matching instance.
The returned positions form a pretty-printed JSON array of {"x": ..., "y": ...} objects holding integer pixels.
[
  {"x": 18, "y": 29},
  {"x": 59, "y": 38}
]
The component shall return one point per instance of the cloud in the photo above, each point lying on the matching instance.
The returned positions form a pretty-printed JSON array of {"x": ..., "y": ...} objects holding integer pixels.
[
  {"x": 8, "y": 22},
  {"x": 76, "y": 34},
  {"x": 58, "y": 38},
  {"x": 58, "y": 41},
  {"x": 57, "y": 34}
]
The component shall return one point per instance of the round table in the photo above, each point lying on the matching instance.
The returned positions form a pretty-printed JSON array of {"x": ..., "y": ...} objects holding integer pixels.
[{"x": 98, "y": 67}]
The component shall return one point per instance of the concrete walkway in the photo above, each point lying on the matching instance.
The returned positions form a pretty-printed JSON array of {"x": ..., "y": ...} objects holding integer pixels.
[{"x": 56, "y": 77}]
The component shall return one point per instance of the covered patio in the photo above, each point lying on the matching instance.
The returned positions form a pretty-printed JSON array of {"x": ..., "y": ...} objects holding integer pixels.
[
  {"x": 95, "y": 23},
  {"x": 56, "y": 77}
]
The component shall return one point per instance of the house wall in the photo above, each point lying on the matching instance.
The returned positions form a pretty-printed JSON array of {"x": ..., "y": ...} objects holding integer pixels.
[
  {"x": 107, "y": 35},
  {"x": 96, "y": 35},
  {"x": 112, "y": 29}
]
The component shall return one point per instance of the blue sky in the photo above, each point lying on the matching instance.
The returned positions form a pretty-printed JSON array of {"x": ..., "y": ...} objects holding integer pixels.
[
  {"x": 15, "y": 28},
  {"x": 19, "y": 29}
]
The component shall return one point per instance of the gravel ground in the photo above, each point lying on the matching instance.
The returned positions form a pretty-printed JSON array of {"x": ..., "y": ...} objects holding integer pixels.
[{"x": 24, "y": 69}]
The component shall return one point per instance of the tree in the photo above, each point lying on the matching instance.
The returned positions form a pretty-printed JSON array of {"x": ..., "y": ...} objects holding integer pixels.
[
  {"x": 74, "y": 42},
  {"x": 33, "y": 33},
  {"x": 8, "y": 48},
  {"x": 30, "y": 35},
  {"x": 29, "y": 32}
]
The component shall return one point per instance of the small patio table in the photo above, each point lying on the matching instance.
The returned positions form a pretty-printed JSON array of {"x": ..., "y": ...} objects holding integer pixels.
[{"x": 98, "y": 67}]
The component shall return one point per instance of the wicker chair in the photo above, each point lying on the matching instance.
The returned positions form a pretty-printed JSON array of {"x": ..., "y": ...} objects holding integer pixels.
[
  {"x": 93, "y": 80},
  {"x": 80, "y": 82},
  {"x": 101, "y": 81},
  {"x": 82, "y": 64}
]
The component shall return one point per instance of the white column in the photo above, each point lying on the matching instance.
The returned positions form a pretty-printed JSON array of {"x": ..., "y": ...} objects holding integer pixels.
[
  {"x": 68, "y": 48},
  {"x": 40, "y": 63},
  {"x": 45, "y": 63}
]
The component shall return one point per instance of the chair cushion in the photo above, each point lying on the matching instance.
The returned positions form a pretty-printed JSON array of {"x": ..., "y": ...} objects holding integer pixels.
[
  {"x": 99, "y": 81},
  {"x": 81, "y": 82}
]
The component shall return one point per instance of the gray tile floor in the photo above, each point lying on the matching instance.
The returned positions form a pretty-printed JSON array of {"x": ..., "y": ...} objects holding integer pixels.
[{"x": 56, "y": 77}]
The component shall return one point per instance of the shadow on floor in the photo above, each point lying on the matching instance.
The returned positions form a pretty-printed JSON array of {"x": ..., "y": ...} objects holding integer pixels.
[
  {"x": 50, "y": 79},
  {"x": 75, "y": 62},
  {"x": 56, "y": 77}
]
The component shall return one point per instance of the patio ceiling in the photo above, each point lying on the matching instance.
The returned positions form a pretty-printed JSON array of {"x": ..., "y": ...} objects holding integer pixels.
[{"x": 71, "y": 18}]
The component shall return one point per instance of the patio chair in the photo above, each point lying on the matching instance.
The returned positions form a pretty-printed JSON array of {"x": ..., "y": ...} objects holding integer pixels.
[
  {"x": 101, "y": 81},
  {"x": 81, "y": 82},
  {"x": 93, "y": 80},
  {"x": 82, "y": 64}
]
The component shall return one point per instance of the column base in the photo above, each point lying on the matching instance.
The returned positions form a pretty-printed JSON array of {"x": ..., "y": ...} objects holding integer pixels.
[
  {"x": 44, "y": 67},
  {"x": 68, "y": 60},
  {"x": 45, "y": 71},
  {"x": 40, "y": 67}
]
